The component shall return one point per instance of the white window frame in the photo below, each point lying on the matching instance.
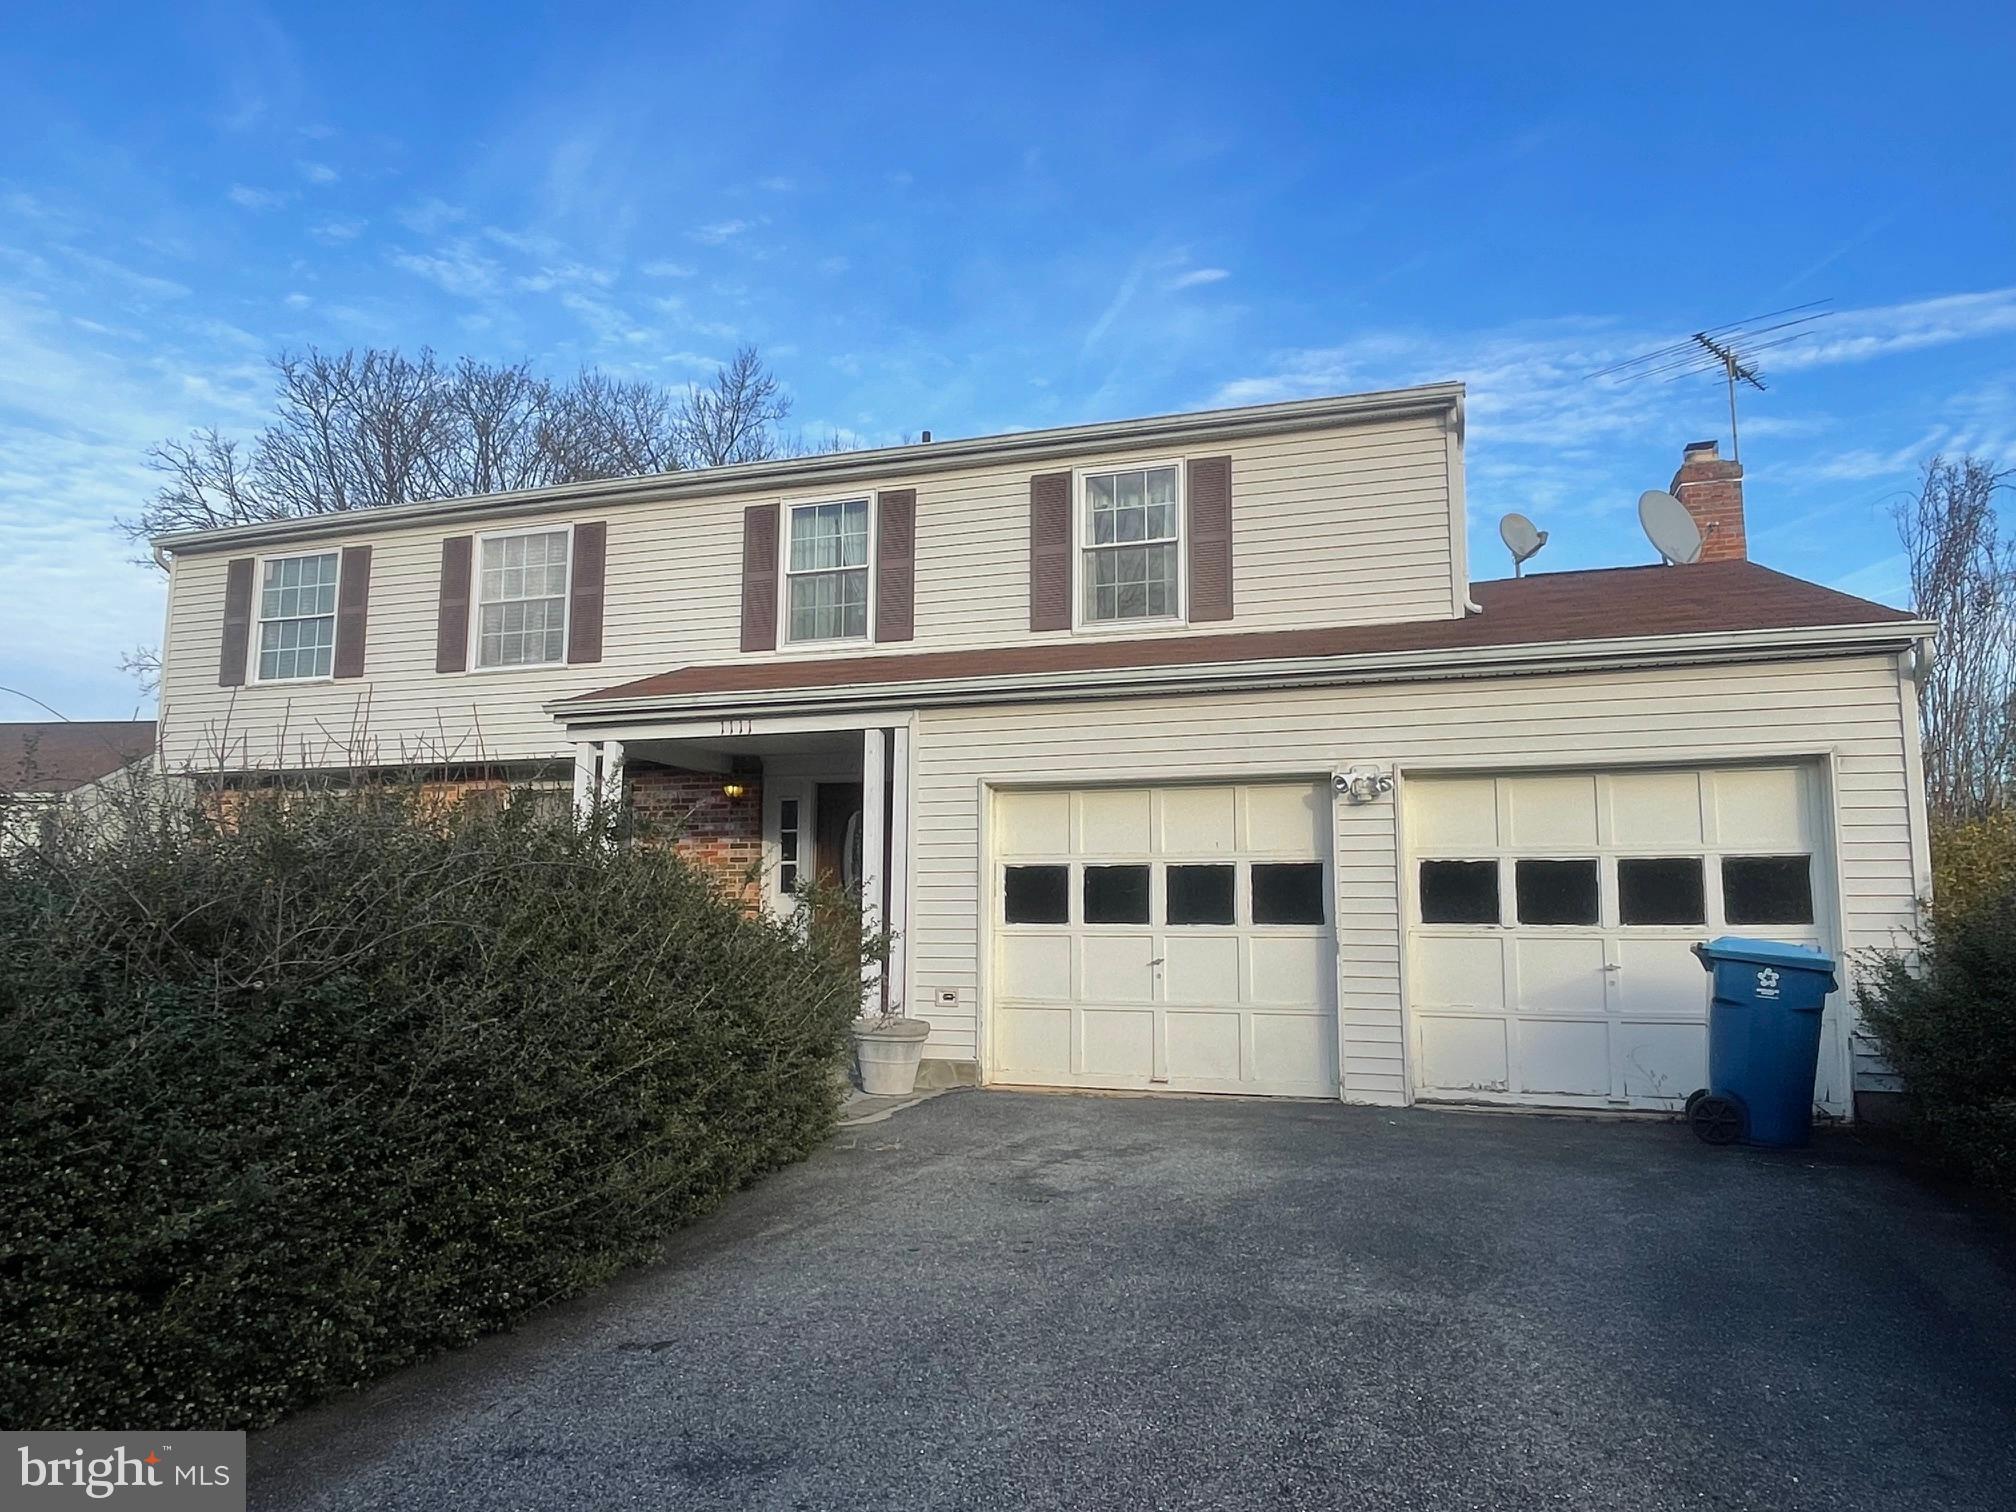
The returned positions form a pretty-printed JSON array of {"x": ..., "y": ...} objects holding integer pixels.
[
  {"x": 258, "y": 600},
  {"x": 786, "y": 508},
  {"x": 475, "y": 658},
  {"x": 1080, "y": 551}
]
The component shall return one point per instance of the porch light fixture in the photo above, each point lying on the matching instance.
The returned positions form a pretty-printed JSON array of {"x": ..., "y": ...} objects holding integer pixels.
[
  {"x": 733, "y": 788},
  {"x": 1361, "y": 784}
]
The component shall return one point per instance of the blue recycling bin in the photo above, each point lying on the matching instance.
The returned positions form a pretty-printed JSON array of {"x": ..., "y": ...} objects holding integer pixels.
[{"x": 1763, "y": 1041}]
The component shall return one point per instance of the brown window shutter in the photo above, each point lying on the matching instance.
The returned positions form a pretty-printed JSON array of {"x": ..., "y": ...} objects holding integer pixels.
[
  {"x": 896, "y": 565},
  {"x": 584, "y": 601},
  {"x": 1210, "y": 538},
  {"x": 237, "y": 623},
  {"x": 759, "y": 577},
  {"x": 1050, "y": 551},
  {"x": 451, "y": 635},
  {"x": 353, "y": 603}
]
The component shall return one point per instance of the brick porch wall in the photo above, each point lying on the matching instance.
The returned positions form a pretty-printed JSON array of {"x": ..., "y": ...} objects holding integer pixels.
[{"x": 723, "y": 836}]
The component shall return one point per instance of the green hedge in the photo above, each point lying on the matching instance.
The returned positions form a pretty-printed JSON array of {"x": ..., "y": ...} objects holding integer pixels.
[
  {"x": 296, "y": 1102},
  {"x": 1945, "y": 1017},
  {"x": 1972, "y": 859}
]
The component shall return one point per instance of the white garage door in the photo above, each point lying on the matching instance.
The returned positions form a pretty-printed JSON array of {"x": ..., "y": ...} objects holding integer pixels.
[
  {"x": 1164, "y": 938},
  {"x": 1550, "y": 920}
]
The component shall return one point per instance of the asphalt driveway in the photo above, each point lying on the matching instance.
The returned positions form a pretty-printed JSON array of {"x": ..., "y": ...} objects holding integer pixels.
[{"x": 1002, "y": 1300}]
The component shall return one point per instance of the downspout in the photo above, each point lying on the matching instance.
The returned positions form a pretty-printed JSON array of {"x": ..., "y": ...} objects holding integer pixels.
[{"x": 1459, "y": 512}]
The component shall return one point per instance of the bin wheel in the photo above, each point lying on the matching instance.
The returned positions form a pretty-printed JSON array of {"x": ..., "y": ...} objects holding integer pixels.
[
  {"x": 1716, "y": 1120},
  {"x": 1694, "y": 1097}
]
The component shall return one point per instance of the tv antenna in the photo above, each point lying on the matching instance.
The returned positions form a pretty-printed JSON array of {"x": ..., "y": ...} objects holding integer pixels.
[
  {"x": 1522, "y": 539},
  {"x": 1730, "y": 350}
]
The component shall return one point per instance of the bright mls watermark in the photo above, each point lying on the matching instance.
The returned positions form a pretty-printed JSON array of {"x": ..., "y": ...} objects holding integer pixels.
[{"x": 168, "y": 1472}]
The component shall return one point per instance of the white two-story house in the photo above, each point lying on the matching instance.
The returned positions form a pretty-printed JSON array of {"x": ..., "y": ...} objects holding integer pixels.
[{"x": 1178, "y": 753}]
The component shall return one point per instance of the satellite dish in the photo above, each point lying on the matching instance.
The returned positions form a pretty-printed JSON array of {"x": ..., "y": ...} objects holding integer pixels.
[
  {"x": 1669, "y": 527},
  {"x": 1521, "y": 539}
]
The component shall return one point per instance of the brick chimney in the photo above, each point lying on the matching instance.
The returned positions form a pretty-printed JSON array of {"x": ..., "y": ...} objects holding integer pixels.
[{"x": 1712, "y": 490}]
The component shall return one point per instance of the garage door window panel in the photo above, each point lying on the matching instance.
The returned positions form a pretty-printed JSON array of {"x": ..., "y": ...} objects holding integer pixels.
[
  {"x": 1459, "y": 892},
  {"x": 1557, "y": 892},
  {"x": 1201, "y": 894},
  {"x": 1036, "y": 895},
  {"x": 1288, "y": 892},
  {"x": 1116, "y": 895},
  {"x": 1661, "y": 890},
  {"x": 1767, "y": 889}
]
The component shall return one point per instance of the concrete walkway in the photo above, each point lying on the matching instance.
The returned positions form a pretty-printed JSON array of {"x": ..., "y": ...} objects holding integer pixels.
[{"x": 1015, "y": 1300}]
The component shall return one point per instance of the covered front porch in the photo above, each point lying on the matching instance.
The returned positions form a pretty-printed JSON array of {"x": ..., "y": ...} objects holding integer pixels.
[{"x": 767, "y": 805}]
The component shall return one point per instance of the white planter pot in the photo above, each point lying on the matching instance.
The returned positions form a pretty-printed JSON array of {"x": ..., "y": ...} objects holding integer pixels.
[{"x": 888, "y": 1052}]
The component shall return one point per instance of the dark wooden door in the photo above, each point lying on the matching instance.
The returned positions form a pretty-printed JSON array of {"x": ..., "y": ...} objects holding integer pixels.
[{"x": 836, "y": 823}]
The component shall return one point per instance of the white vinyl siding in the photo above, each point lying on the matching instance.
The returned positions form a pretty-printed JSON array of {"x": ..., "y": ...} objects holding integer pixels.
[
  {"x": 1849, "y": 706},
  {"x": 521, "y": 599},
  {"x": 1345, "y": 525},
  {"x": 826, "y": 571},
  {"x": 297, "y": 616}
]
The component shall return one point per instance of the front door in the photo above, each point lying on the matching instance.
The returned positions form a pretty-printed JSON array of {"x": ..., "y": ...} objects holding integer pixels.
[{"x": 836, "y": 834}]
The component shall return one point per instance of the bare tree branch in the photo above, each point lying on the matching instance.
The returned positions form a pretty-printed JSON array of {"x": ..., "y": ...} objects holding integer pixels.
[
  {"x": 734, "y": 419},
  {"x": 1963, "y": 574},
  {"x": 360, "y": 428}
]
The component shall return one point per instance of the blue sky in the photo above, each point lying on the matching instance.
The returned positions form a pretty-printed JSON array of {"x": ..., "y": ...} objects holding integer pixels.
[{"x": 978, "y": 220}]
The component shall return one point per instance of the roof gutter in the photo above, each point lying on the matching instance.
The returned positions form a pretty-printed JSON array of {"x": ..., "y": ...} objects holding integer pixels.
[
  {"x": 881, "y": 465},
  {"x": 1213, "y": 677}
]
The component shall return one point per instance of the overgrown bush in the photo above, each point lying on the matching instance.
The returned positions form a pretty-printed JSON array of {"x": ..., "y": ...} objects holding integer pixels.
[
  {"x": 1972, "y": 859},
  {"x": 296, "y": 1100},
  {"x": 1945, "y": 1016}
]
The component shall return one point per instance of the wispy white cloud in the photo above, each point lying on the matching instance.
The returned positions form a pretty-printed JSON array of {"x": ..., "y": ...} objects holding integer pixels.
[
  {"x": 339, "y": 230},
  {"x": 777, "y": 184},
  {"x": 717, "y": 232},
  {"x": 1860, "y": 334},
  {"x": 247, "y": 197},
  {"x": 531, "y": 243},
  {"x": 1197, "y": 276},
  {"x": 455, "y": 268},
  {"x": 664, "y": 269},
  {"x": 316, "y": 173},
  {"x": 567, "y": 273},
  {"x": 431, "y": 216},
  {"x": 1123, "y": 296}
]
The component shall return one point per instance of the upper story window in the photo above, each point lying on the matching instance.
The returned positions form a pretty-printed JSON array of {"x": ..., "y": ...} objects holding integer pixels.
[
  {"x": 297, "y": 617},
  {"x": 521, "y": 603},
  {"x": 1130, "y": 534},
  {"x": 826, "y": 571}
]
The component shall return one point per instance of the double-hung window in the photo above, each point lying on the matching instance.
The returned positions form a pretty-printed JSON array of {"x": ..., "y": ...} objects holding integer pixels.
[
  {"x": 521, "y": 604},
  {"x": 297, "y": 617},
  {"x": 826, "y": 571},
  {"x": 1130, "y": 535}
]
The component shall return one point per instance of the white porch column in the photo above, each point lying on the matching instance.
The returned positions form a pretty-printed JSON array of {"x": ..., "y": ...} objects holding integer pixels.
[
  {"x": 584, "y": 779},
  {"x": 612, "y": 773},
  {"x": 873, "y": 824},
  {"x": 899, "y": 864}
]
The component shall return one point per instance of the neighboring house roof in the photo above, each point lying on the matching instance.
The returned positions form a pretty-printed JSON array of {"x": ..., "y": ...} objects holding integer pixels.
[
  {"x": 879, "y": 465},
  {"x": 1712, "y": 600},
  {"x": 61, "y": 755}
]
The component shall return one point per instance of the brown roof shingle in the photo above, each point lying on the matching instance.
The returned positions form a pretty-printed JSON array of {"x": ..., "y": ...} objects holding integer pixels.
[
  {"x": 1547, "y": 608},
  {"x": 58, "y": 755}
]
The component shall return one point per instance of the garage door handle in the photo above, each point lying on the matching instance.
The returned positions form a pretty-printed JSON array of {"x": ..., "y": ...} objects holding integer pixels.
[
  {"x": 1158, "y": 960},
  {"x": 1613, "y": 966}
]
